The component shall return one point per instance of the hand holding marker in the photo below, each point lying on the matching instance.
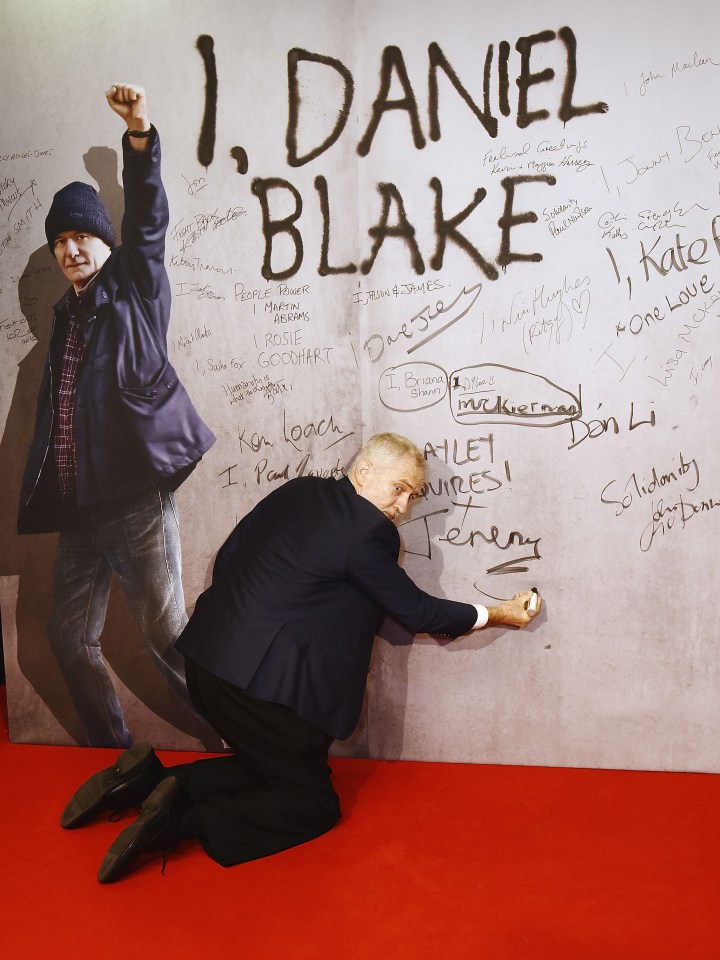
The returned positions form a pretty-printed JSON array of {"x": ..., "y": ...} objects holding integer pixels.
[{"x": 532, "y": 606}]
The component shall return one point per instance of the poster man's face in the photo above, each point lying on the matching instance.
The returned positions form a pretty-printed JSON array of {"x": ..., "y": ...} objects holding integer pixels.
[
  {"x": 80, "y": 256},
  {"x": 389, "y": 484}
]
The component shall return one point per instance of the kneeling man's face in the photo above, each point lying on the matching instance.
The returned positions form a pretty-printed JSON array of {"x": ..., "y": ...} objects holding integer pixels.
[{"x": 389, "y": 484}]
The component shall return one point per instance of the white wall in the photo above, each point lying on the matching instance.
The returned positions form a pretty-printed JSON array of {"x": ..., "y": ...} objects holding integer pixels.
[{"x": 607, "y": 501}]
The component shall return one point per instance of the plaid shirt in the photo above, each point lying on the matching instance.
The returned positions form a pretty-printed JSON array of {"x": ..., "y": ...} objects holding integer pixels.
[{"x": 64, "y": 434}]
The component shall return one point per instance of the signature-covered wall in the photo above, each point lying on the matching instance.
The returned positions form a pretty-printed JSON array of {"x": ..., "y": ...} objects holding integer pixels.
[{"x": 492, "y": 227}]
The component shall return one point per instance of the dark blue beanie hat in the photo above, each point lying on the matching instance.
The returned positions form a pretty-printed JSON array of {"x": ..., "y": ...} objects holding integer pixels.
[{"x": 78, "y": 207}]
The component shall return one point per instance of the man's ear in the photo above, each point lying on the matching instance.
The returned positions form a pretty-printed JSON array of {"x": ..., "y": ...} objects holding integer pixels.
[{"x": 362, "y": 469}]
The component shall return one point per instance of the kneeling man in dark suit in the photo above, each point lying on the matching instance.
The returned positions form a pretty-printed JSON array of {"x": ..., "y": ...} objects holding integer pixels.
[{"x": 277, "y": 654}]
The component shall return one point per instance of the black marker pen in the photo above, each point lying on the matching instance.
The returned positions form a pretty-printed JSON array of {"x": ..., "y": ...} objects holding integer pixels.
[{"x": 532, "y": 606}]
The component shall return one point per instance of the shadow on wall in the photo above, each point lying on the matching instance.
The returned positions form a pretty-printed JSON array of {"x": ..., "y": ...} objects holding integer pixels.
[
  {"x": 389, "y": 677},
  {"x": 32, "y": 557}
]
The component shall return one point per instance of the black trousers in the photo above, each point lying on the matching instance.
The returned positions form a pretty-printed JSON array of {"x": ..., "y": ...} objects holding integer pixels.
[{"x": 272, "y": 793}]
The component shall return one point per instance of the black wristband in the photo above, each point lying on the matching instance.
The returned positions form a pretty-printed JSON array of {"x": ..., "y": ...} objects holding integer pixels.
[{"x": 140, "y": 134}]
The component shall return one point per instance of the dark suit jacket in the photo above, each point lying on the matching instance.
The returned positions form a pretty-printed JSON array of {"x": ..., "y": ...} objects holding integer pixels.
[{"x": 297, "y": 594}]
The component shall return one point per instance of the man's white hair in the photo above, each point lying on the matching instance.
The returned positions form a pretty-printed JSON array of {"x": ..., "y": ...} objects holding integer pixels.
[{"x": 390, "y": 446}]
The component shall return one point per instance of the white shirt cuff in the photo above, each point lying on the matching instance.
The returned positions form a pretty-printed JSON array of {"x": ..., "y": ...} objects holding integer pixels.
[{"x": 482, "y": 616}]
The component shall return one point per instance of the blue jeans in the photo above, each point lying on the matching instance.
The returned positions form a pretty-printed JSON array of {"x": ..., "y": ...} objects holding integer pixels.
[{"x": 138, "y": 539}]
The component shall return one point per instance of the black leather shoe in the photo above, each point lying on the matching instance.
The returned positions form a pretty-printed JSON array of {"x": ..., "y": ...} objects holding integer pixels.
[
  {"x": 136, "y": 773},
  {"x": 155, "y": 829}
]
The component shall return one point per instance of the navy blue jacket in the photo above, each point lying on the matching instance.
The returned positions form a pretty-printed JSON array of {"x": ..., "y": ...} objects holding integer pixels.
[
  {"x": 297, "y": 594},
  {"x": 135, "y": 426}
]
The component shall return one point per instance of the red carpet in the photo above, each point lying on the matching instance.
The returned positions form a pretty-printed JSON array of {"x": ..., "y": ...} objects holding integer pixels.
[{"x": 430, "y": 861}]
